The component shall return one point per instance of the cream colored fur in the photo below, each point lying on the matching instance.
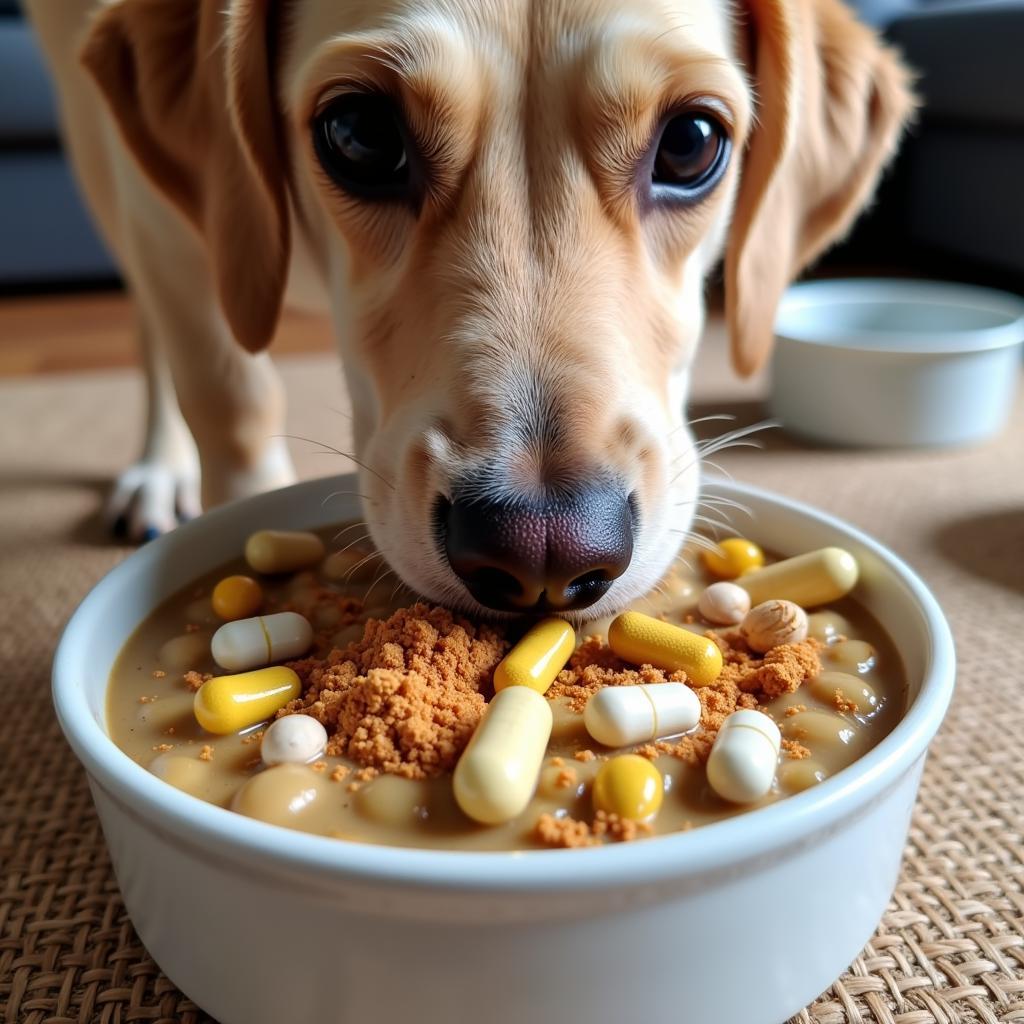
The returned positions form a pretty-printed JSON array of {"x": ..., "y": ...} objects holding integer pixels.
[{"x": 531, "y": 285}]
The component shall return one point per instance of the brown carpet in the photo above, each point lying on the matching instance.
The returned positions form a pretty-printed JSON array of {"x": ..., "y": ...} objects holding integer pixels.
[{"x": 951, "y": 946}]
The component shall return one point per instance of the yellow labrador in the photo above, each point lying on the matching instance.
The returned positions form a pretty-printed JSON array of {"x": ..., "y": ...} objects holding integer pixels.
[{"x": 510, "y": 209}]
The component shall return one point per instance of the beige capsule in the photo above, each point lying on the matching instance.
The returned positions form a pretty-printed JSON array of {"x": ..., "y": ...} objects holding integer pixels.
[
  {"x": 282, "y": 795},
  {"x": 828, "y": 626},
  {"x": 277, "y": 551},
  {"x": 392, "y": 800},
  {"x": 183, "y": 772},
  {"x": 184, "y": 653},
  {"x": 852, "y": 655},
  {"x": 814, "y": 578},
  {"x": 796, "y": 776},
  {"x": 497, "y": 773},
  {"x": 820, "y": 730},
  {"x": 831, "y": 687}
]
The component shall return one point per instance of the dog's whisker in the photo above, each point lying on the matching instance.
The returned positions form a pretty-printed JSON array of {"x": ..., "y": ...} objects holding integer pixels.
[
  {"x": 715, "y": 524},
  {"x": 369, "y": 590},
  {"x": 715, "y": 443},
  {"x": 715, "y": 465},
  {"x": 331, "y": 450},
  {"x": 353, "y": 543},
  {"x": 351, "y": 526},
  {"x": 362, "y": 561},
  {"x": 727, "y": 503},
  {"x": 695, "y": 538},
  {"x": 708, "y": 419},
  {"x": 338, "y": 494}
]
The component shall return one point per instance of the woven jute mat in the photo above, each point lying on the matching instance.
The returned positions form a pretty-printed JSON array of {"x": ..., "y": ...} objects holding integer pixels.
[{"x": 951, "y": 945}]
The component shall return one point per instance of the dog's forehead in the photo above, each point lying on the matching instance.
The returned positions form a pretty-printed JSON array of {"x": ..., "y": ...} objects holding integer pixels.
[{"x": 515, "y": 35}]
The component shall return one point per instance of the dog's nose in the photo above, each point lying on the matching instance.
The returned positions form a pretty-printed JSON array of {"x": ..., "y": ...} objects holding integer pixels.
[{"x": 555, "y": 555}]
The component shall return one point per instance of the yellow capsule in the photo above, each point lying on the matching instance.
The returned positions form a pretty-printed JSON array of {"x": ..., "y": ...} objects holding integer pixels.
[
  {"x": 227, "y": 704},
  {"x": 629, "y": 786},
  {"x": 639, "y": 639},
  {"x": 236, "y": 597},
  {"x": 734, "y": 557},
  {"x": 273, "y": 551},
  {"x": 538, "y": 657}
]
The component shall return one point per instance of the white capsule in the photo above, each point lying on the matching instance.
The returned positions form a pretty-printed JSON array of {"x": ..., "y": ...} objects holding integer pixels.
[
  {"x": 294, "y": 739},
  {"x": 743, "y": 760},
  {"x": 618, "y": 716},
  {"x": 249, "y": 643}
]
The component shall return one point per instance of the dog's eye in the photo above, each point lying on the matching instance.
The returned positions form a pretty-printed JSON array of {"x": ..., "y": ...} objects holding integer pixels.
[
  {"x": 691, "y": 154},
  {"x": 360, "y": 140}
]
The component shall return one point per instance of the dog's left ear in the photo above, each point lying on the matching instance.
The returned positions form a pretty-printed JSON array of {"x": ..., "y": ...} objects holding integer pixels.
[
  {"x": 190, "y": 86},
  {"x": 831, "y": 105}
]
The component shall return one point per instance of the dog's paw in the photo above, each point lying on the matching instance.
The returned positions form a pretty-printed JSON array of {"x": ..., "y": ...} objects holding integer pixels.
[
  {"x": 228, "y": 483},
  {"x": 151, "y": 497}
]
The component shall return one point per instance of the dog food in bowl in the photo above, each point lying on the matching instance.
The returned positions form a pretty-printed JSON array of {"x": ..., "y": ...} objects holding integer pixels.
[{"x": 314, "y": 692}]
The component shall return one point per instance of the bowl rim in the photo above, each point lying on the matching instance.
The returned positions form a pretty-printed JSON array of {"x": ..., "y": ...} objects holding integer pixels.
[
  {"x": 820, "y": 295},
  {"x": 710, "y": 849}
]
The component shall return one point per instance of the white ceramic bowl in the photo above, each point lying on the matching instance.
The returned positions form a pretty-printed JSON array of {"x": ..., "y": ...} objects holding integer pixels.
[
  {"x": 894, "y": 363},
  {"x": 742, "y": 922}
]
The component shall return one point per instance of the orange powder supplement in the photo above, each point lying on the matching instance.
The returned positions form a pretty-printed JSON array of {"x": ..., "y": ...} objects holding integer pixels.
[{"x": 405, "y": 698}]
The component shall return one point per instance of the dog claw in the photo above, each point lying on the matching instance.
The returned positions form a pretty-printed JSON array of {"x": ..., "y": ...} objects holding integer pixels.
[{"x": 150, "y": 498}]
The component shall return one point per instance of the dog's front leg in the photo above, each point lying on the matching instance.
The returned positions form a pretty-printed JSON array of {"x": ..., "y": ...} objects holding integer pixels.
[{"x": 231, "y": 401}]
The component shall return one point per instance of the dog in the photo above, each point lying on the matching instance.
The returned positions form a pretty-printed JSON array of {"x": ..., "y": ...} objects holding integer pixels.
[{"x": 510, "y": 209}]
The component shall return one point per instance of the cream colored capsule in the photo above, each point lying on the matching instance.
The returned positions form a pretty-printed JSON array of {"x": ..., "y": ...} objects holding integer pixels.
[
  {"x": 639, "y": 639},
  {"x": 274, "y": 551},
  {"x": 807, "y": 580},
  {"x": 497, "y": 773},
  {"x": 294, "y": 739},
  {"x": 618, "y": 716},
  {"x": 227, "y": 704},
  {"x": 248, "y": 643},
  {"x": 538, "y": 657},
  {"x": 741, "y": 767}
]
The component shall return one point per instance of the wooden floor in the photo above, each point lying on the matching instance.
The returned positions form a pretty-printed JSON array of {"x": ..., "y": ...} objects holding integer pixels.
[{"x": 93, "y": 331}]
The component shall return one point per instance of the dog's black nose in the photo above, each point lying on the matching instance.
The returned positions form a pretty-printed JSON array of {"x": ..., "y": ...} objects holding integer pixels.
[{"x": 552, "y": 555}]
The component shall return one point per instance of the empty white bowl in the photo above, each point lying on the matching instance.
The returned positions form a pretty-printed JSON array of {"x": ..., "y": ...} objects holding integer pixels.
[
  {"x": 895, "y": 363},
  {"x": 742, "y": 922}
]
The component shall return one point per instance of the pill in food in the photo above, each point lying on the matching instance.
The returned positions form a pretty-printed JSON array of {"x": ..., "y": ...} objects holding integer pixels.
[
  {"x": 629, "y": 786},
  {"x": 815, "y": 578},
  {"x": 276, "y": 551},
  {"x": 732, "y": 558},
  {"x": 772, "y": 623},
  {"x": 227, "y": 704},
  {"x": 248, "y": 643},
  {"x": 744, "y": 757},
  {"x": 538, "y": 657},
  {"x": 294, "y": 739},
  {"x": 620, "y": 715},
  {"x": 643, "y": 640},
  {"x": 497, "y": 773},
  {"x": 724, "y": 603},
  {"x": 236, "y": 597}
]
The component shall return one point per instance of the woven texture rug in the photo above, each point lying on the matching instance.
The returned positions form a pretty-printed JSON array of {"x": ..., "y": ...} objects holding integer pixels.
[{"x": 950, "y": 948}]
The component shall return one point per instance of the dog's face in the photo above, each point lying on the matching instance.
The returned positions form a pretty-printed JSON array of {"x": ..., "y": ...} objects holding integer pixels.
[
  {"x": 514, "y": 208},
  {"x": 517, "y": 220}
]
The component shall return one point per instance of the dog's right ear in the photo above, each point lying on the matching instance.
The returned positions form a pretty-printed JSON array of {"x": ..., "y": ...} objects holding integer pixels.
[{"x": 189, "y": 83}]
